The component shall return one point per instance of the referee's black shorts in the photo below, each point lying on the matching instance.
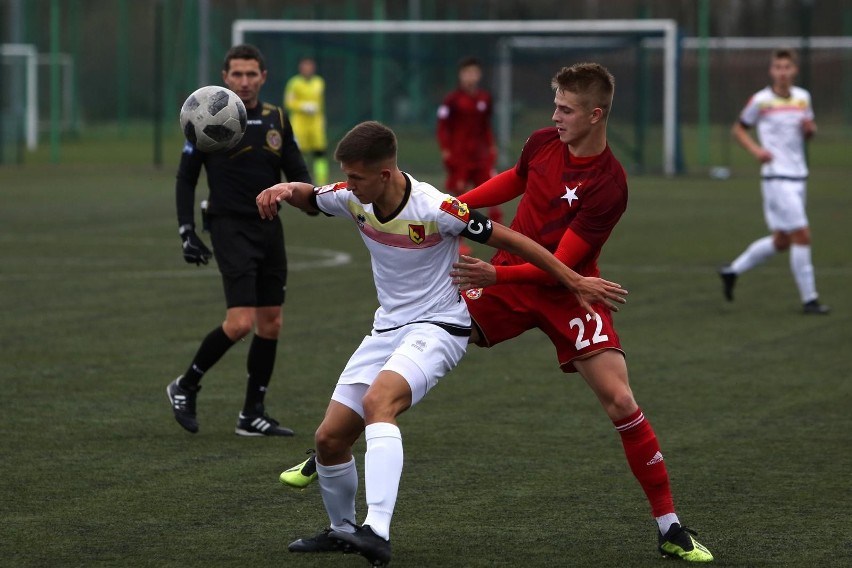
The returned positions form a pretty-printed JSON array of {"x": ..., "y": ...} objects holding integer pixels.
[{"x": 251, "y": 258}]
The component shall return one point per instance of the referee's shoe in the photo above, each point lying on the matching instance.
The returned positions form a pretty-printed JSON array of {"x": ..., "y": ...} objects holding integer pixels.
[
  {"x": 260, "y": 425},
  {"x": 183, "y": 404}
]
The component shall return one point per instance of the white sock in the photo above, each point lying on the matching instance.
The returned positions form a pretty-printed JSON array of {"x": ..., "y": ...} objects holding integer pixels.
[
  {"x": 382, "y": 472},
  {"x": 803, "y": 271},
  {"x": 757, "y": 252},
  {"x": 338, "y": 486},
  {"x": 666, "y": 521}
]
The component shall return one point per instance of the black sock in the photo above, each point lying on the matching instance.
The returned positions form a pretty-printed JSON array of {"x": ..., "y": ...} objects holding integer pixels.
[
  {"x": 261, "y": 360},
  {"x": 211, "y": 350}
]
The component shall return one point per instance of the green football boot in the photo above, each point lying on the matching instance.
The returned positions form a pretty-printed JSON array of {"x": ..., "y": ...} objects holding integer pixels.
[
  {"x": 678, "y": 543},
  {"x": 302, "y": 475}
]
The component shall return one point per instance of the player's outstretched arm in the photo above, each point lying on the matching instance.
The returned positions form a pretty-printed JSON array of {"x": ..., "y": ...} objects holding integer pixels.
[
  {"x": 588, "y": 290},
  {"x": 297, "y": 194},
  {"x": 499, "y": 189}
]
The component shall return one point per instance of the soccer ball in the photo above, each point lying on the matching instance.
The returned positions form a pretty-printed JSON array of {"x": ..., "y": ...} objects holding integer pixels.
[{"x": 213, "y": 118}]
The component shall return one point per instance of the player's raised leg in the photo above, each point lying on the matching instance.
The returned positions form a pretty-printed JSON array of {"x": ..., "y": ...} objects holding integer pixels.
[
  {"x": 606, "y": 374},
  {"x": 756, "y": 253}
]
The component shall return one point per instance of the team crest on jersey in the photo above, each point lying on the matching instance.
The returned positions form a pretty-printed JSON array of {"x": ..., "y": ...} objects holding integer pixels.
[
  {"x": 417, "y": 233},
  {"x": 273, "y": 139},
  {"x": 571, "y": 194},
  {"x": 473, "y": 293},
  {"x": 456, "y": 208},
  {"x": 330, "y": 187},
  {"x": 361, "y": 220}
]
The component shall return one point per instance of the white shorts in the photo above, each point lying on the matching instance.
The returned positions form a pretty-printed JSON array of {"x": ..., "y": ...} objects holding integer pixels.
[
  {"x": 421, "y": 352},
  {"x": 784, "y": 204}
]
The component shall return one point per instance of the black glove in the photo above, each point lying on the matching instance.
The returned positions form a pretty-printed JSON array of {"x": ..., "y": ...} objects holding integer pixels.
[{"x": 194, "y": 250}]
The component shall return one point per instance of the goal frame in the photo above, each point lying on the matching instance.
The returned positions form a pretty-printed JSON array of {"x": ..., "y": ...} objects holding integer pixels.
[
  {"x": 28, "y": 52},
  {"x": 666, "y": 28}
]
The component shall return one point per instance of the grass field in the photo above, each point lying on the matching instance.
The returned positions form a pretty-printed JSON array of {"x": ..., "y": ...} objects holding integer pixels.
[{"x": 508, "y": 462}]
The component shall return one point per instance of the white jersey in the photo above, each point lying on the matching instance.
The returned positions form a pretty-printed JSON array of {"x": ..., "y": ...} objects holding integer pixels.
[
  {"x": 779, "y": 128},
  {"x": 412, "y": 253}
]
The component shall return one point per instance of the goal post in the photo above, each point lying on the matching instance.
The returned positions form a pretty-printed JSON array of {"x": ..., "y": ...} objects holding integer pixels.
[
  {"x": 665, "y": 30},
  {"x": 29, "y": 101},
  {"x": 21, "y": 119}
]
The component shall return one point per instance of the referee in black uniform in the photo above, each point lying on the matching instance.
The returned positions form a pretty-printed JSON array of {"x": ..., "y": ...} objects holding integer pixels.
[{"x": 249, "y": 250}]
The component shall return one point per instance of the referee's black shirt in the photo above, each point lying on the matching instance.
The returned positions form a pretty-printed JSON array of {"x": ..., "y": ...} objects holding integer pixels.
[{"x": 236, "y": 176}]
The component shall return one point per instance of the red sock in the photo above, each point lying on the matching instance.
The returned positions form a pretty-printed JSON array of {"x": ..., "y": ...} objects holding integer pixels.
[{"x": 646, "y": 461}]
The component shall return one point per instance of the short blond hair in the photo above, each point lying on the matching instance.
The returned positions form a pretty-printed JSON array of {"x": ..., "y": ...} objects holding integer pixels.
[{"x": 591, "y": 81}]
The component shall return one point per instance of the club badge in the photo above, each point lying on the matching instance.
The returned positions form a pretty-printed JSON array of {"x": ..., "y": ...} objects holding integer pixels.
[
  {"x": 473, "y": 293},
  {"x": 273, "y": 139},
  {"x": 417, "y": 233}
]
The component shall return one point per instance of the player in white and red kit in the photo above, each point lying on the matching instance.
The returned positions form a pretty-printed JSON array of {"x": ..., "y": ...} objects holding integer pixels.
[
  {"x": 465, "y": 135},
  {"x": 420, "y": 330},
  {"x": 784, "y": 118},
  {"x": 573, "y": 192}
]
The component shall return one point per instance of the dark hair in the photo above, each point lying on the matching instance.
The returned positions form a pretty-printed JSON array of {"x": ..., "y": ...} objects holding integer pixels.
[
  {"x": 785, "y": 53},
  {"x": 469, "y": 61},
  {"x": 369, "y": 142},
  {"x": 243, "y": 51},
  {"x": 590, "y": 80}
]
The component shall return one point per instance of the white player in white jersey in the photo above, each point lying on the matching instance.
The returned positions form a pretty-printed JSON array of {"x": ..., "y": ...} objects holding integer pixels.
[
  {"x": 421, "y": 327},
  {"x": 784, "y": 118}
]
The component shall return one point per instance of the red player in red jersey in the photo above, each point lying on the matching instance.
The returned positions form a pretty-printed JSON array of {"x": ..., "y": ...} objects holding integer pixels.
[
  {"x": 465, "y": 134},
  {"x": 573, "y": 192}
]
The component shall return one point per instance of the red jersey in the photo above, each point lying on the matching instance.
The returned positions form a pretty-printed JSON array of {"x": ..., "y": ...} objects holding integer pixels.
[
  {"x": 587, "y": 195},
  {"x": 464, "y": 128}
]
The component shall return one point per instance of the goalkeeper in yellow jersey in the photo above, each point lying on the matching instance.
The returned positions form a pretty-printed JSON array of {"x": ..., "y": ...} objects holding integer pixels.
[{"x": 304, "y": 99}]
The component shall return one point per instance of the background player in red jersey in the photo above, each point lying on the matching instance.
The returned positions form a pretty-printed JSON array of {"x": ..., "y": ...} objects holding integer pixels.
[
  {"x": 465, "y": 134},
  {"x": 573, "y": 192}
]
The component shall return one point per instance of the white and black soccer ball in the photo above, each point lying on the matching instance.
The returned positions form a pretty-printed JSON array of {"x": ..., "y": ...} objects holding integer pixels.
[{"x": 213, "y": 118}]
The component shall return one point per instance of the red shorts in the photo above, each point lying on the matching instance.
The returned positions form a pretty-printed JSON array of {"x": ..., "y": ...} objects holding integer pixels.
[
  {"x": 462, "y": 178},
  {"x": 505, "y": 311}
]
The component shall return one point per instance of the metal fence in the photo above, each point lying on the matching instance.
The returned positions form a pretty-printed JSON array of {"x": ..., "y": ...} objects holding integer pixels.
[{"x": 111, "y": 74}]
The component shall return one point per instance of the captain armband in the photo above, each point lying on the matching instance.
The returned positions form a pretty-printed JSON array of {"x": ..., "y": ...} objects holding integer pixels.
[{"x": 478, "y": 228}]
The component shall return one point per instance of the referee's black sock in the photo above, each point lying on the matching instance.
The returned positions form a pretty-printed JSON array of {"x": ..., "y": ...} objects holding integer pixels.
[
  {"x": 211, "y": 350},
  {"x": 261, "y": 360}
]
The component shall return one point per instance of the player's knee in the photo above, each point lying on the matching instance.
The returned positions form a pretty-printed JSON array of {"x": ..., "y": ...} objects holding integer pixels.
[
  {"x": 375, "y": 405},
  {"x": 269, "y": 328},
  {"x": 801, "y": 237},
  {"x": 619, "y": 404},
  {"x": 781, "y": 241},
  {"x": 330, "y": 446},
  {"x": 237, "y": 329},
  {"x": 379, "y": 406}
]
